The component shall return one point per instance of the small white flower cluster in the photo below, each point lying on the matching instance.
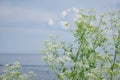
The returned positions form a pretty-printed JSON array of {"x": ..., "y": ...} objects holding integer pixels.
[
  {"x": 12, "y": 72},
  {"x": 67, "y": 11},
  {"x": 64, "y": 24},
  {"x": 64, "y": 13},
  {"x": 50, "y": 21},
  {"x": 63, "y": 59}
]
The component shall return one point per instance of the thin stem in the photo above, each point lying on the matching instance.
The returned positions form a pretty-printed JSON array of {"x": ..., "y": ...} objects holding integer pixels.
[
  {"x": 116, "y": 46},
  {"x": 114, "y": 60}
]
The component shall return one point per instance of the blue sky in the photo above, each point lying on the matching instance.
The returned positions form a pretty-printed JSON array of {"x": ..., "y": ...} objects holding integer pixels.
[{"x": 23, "y": 26}]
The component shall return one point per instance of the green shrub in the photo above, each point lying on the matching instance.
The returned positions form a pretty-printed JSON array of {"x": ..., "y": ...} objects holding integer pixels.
[
  {"x": 95, "y": 53},
  {"x": 13, "y": 73}
]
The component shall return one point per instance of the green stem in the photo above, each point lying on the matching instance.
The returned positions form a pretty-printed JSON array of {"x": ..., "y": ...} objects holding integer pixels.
[{"x": 116, "y": 46}]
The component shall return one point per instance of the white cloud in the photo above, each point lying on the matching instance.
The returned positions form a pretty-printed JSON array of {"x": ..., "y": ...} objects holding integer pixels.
[
  {"x": 22, "y": 30},
  {"x": 21, "y": 14}
]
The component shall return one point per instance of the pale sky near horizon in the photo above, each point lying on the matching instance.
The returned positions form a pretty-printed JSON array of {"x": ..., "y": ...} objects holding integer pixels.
[{"x": 23, "y": 26}]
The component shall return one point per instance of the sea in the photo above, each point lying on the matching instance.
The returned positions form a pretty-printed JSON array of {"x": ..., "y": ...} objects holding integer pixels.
[{"x": 29, "y": 62}]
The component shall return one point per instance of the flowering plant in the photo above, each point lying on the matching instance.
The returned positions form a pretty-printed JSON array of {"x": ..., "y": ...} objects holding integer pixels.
[
  {"x": 95, "y": 53},
  {"x": 13, "y": 73}
]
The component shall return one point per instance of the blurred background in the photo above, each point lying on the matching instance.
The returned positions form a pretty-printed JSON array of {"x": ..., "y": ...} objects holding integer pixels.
[{"x": 25, "y": 24}]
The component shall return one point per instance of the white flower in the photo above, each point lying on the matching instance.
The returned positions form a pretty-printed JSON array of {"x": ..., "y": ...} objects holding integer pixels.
[
  {"x": 85, "y": 66},
  {"x": 66, "y": 58},
  {"x": 50, "y": 21},
  {"x": 90, "y": 75},
  {"x": 64, "y": 13},
  {"x": 68, "y": 53},
  {"x": 91, "y": 23},
  {"x": 76, "y": 11},
  {"x": 64, "y": 24},
  {"x": 60, "y": 59}
]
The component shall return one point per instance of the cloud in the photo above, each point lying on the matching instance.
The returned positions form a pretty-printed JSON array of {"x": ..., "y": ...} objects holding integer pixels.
[
  {"x": 22, "y": 14},
  {"x": 22, "y": 30}
]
